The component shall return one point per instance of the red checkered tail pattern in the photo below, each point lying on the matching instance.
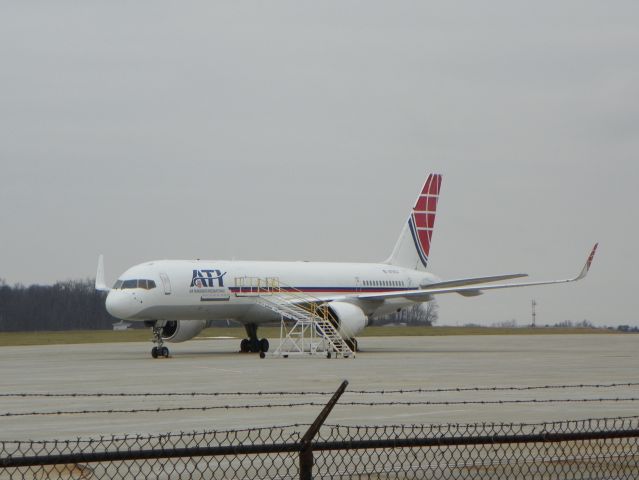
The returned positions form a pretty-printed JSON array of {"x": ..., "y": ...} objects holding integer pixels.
[{"x": 413, "y": 246}]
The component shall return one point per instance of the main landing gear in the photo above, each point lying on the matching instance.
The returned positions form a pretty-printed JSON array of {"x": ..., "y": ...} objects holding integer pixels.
[
  {"x": 252, "y": 343},
  {"x": 352, "y": 344},
  {"x": 160, "y": 350}
]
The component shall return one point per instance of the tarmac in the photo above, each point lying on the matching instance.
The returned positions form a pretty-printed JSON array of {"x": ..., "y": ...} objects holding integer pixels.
[{"x": 384, "y": 363}]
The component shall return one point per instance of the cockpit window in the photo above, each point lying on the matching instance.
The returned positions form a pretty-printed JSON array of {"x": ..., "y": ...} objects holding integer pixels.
[
  {"x": 129, "y": 284},
  {"x": 137, "y": 283}
]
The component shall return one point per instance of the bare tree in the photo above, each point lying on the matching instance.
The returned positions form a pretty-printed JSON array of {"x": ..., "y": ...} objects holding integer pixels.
[
  {"x": 505, "y": 324},
  {"x": 419, "y": 314}
]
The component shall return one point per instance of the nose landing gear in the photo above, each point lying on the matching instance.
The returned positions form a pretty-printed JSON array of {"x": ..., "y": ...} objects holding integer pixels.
[{"x": 160, "y": 350}]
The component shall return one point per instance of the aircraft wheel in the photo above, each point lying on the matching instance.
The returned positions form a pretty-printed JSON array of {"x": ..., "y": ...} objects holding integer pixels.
[
  {"x": 154, "y": 352},
  {"x": 264, "y": 345},
  {"x": 254, "y": 346},
  {"x": 262, "y": 354},
  {"x": 245, "y": 345},
  {"x": 164, "y": 352}
]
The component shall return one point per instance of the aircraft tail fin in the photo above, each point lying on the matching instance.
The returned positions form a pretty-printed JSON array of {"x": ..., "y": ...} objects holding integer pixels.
[{"x": 413, "y": 246}]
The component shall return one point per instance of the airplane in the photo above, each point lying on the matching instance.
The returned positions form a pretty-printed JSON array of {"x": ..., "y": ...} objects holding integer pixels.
[{"x": 178, "y": 298}]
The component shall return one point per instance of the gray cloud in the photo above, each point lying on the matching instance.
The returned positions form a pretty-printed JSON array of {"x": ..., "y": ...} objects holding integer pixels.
[{"x": 303, "y": 131}]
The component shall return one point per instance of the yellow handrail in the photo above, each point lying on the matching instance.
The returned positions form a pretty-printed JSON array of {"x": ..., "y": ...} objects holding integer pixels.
[{"x": 273, "y": 286}]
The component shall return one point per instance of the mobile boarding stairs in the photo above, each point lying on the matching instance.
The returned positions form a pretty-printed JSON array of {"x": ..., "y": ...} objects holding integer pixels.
[{"x": 306, "y": 327}]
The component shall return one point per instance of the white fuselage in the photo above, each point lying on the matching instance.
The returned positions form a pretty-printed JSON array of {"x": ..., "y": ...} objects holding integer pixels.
[
  {"x": 213, "y": 289},
  {"x": 177, "y": 298}
]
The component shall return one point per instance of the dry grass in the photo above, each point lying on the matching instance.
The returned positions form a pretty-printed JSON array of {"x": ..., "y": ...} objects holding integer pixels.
[
  {"x": 445, "y": 331},
  {"x": 142, "y": 335}
]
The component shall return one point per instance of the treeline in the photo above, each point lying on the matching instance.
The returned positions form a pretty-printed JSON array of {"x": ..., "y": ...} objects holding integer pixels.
[
  {"x": 75, "y": 305},
  {"x": 70, "y": 305},
  {"x": 417, "y": 315}
]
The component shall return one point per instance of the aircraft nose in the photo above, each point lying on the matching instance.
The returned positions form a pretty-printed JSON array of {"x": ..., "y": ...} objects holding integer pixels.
[{"x": 120, "y": 305}]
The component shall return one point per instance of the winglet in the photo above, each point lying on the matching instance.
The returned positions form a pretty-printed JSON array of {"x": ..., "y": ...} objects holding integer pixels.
[
  {"x": 584, "y": 271},
  {"x": 100, "y": 284}
]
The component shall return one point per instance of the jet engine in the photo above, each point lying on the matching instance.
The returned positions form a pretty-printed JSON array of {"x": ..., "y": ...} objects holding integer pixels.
[
  {"x": 182, "y": 330},
  {"x": 349, "y": 319}
]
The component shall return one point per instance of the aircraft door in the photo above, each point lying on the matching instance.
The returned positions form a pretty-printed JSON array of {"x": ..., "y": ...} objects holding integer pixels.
[{"x": 166, "y": 283}]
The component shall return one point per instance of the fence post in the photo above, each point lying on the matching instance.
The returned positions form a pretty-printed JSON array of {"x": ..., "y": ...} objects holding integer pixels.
[{"x": 306, "y": 446}]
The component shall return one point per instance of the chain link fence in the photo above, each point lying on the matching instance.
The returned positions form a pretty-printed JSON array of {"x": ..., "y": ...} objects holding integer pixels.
[
  {"x": 587, "y": 449},
  {"x": 605, "y": 448}
]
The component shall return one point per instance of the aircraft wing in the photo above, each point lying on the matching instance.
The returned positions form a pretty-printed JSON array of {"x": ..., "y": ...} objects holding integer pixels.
[
  {"x": 475, "y": 280},
  {"x": 473, "y": 286}
]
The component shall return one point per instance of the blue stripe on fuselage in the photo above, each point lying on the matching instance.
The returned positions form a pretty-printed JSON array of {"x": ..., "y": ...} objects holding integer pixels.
[{"x": 332, "y": 289}]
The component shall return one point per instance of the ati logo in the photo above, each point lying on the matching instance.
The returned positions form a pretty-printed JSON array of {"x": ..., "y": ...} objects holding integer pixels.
[{"x": 207, "y": 278}]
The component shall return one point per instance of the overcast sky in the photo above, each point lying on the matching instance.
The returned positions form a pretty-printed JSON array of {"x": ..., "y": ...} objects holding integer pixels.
[{"x": 304, "y": 130}]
